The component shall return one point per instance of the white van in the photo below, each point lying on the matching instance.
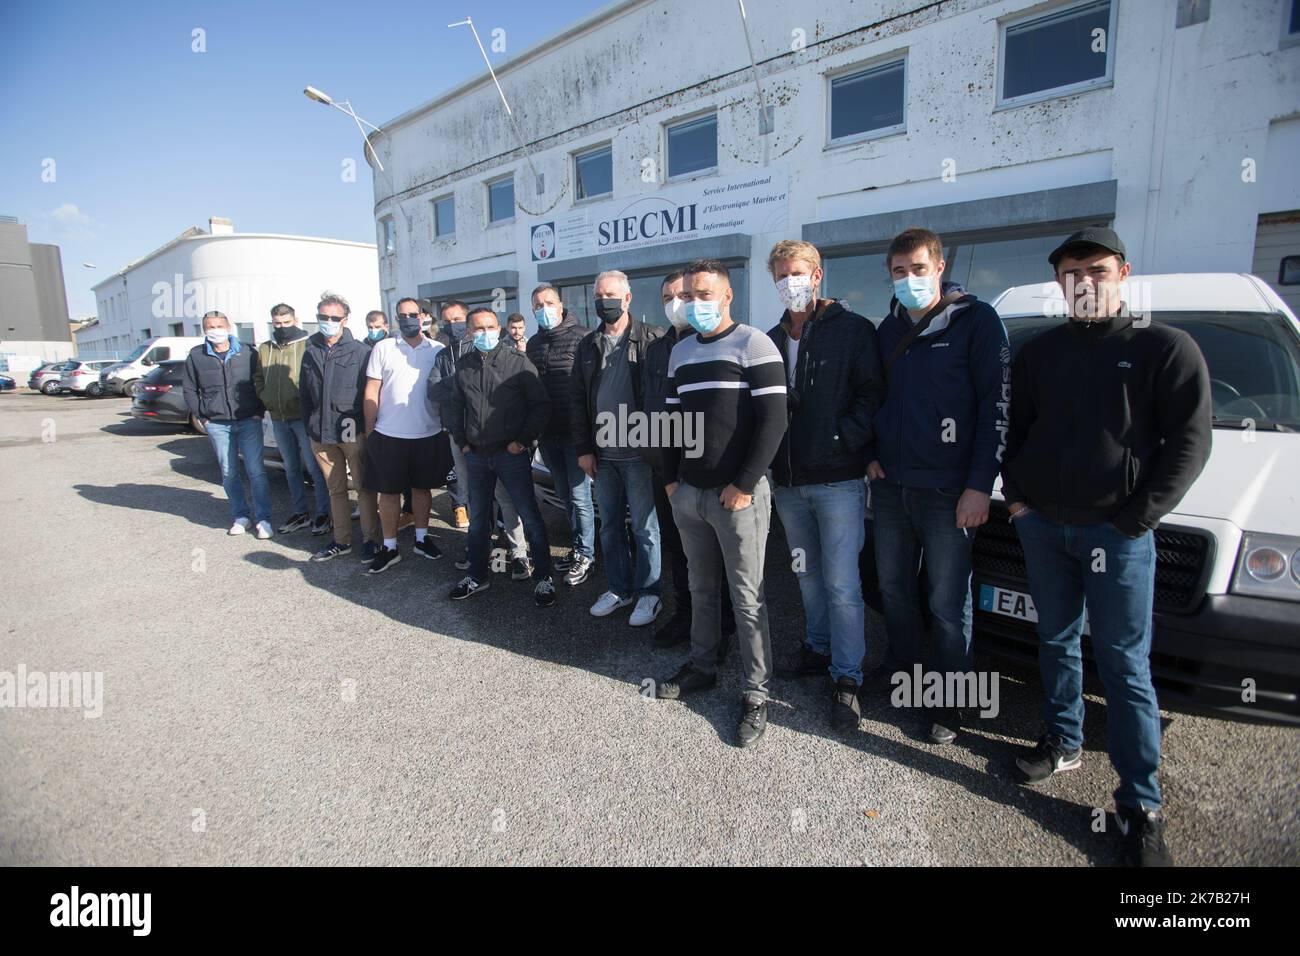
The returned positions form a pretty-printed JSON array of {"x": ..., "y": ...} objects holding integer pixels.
[
  {"x": 1227, "y": 593},
  {"x": 121, "y": 379}
]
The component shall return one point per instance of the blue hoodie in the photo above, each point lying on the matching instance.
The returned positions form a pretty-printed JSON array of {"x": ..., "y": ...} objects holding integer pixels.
[{"x": 944, "y": 420}]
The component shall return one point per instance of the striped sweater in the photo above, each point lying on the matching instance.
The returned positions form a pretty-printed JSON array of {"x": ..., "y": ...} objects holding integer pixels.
[{"x": 734, "y": 383}]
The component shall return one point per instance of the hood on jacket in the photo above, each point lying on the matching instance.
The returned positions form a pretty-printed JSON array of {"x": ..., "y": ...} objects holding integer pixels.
[
  {"x": 295, "y": 335},
  {"x": 944, "y": 318}
]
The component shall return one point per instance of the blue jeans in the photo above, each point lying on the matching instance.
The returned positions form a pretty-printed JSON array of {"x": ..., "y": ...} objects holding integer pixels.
[
  {"x": 825, "y": 529},
  {"x": 516, "y": 473},
  {"x": 913, "y": 525},
  {"x": 622, "y": 485},
  {"x": 232, "y": 440},
  {"x": 295, "y": 451},
  {"x": 460, "y": 487},
  {"x": 574, "y": 488},
  {"x": 1115, "y": 574}
]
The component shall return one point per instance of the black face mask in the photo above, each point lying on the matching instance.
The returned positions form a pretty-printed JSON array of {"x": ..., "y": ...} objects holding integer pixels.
[
  {"x": 410, "y": 328},
  {"x": 609, "y": 310},
  {"x": 280, "y": 334}
]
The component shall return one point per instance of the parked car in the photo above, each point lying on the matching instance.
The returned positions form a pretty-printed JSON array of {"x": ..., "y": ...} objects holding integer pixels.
[
  {"x": 48, "y": 378},
  {"x": 7, "y": 383},
  {"x": 82, "y": 378},
  {"x": 159, "y": 396},
  {"x": 123, "y": 376}
]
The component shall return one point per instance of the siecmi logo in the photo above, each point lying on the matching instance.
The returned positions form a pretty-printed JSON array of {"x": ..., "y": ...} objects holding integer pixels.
[{"x": 103, "y": 909}]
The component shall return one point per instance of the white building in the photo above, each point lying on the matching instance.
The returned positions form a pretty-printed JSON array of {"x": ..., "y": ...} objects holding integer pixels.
[
  {"x": 241, "y": 274},
  {"x": 1001, "y": 124}
]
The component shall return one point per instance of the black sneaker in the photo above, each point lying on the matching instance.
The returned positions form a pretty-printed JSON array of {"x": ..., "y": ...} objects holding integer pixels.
[
  {"x": 1143, "y": 835},
  {"x": 563, "y": 564},
  {"x": 462, "y": 564},
  {"x": 687, "y": 680},
  {"x": 808, "y": 663},
  {"x": 369, "y": 551},
  {"x": 676, "y": 631},
  {"x": 845, "y": 709},
  {"x": 333, "y": 550},
  {"x": 944, "y": 727},
  {"x": 428, "y": 549},
  {"x": 578, "y": 571},
  {"x": 295, "y": 523},
  {"x": 753, "y": 721},
  {"x": 544, "y": 593},
  {"x": 467, "y": 587},
  {"x": 521, "y": 569},
  {"x": 1046, "y": 758},
  {"x": 322, "y": 525},
  {"x": 384, "y": 559}
]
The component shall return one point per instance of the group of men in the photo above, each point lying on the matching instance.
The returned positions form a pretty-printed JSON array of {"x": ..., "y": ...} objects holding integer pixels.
[{"x": 1097, "y": 430}]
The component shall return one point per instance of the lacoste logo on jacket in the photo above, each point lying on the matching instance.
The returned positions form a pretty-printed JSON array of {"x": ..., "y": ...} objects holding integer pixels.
[
  {"x": 1124, "y": 365},
  {"x": 940, "y": 345}
]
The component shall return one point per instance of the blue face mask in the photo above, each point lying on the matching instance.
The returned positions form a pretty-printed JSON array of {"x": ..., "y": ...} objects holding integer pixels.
[
  {"x": 329, "y": 329},
  {"x": 548, "y": 317},
  {"x": 375, "y": 335},
  {"x": 486, "y": 340},
  {"x": 703, "y": 316},
  {"x": 915, "y": 292}
]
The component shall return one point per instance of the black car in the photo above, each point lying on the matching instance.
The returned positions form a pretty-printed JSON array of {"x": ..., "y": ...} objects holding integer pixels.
[{"x": 160, "y": 398}]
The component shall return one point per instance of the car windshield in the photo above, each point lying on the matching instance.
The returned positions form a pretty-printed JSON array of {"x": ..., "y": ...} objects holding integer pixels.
[
  {"x": 1253, "y": 358},
  {"x": 139, "y": 350}
]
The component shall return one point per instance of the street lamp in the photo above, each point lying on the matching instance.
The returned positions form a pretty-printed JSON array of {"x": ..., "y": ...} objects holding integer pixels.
[{"x": 346, "y": 108}]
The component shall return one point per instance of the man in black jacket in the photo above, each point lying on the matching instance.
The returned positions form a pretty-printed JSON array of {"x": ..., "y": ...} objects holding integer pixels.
[
  {"x": 220, "y": 393},
  {"x": 832, "y": 365},
  {"x": 495, "y": 409},
  {"x": 1110, "y": 425},
  {"x": 452, "y": 334},
  {"x": 552, "y": 350}
]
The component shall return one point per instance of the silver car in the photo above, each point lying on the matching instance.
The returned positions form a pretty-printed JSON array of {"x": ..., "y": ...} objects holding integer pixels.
[{"x": 82, "y": 378}]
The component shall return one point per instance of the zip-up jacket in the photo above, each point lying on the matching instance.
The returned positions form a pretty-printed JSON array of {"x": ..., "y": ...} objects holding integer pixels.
[
  {"x": 586, "y": 380},
  {"x": 654, "y": 385},
  {"x": 553, "y": 352},
  {"x": 331, "y": 388},
  {"x": 277, "y": 382},
  {"x": 495, "y": 398},
  {"x": 943, "y": 422},
  {"x": 838, "y": 386},
  {"x": 222, "y": 390},
  {"x": 1109, "y": 422}
]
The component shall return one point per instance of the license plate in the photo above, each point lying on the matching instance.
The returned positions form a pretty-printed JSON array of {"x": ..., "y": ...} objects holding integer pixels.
[{"x": 1014, "y": 604}]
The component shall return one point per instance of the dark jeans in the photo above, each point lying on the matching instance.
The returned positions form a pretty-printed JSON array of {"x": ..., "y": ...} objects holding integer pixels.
[
  {"x": 1115, "y": 575},
  {"x": 914, "y": 525},
  {"x": 670, "y": 546},
  {"x": 516, "y": 473},
  {"x": 574, "y": 489}
]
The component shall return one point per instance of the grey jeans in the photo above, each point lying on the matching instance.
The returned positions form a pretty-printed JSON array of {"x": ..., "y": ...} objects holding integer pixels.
[{"x": 706, "y": 527}]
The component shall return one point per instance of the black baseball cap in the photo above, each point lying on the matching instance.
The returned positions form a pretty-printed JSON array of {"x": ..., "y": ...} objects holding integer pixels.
[{"x": 1092, "y": 236}]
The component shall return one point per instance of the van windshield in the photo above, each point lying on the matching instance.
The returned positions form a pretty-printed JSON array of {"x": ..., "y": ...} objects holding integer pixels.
[
  {"x": 138, "y": 351},
  {"x": 1253, "y": 358}
]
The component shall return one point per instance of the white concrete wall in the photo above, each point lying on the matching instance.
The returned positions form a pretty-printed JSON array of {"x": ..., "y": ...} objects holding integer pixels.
[{"x": 1185, "y": 109}]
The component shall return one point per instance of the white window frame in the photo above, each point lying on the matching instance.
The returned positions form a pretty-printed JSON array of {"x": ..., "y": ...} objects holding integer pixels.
[
  {"x": 685, "y": 121},
  {"x": 869, "y": 66},
  {"x": 487, "y": 193},
  {"x": 587, "y": 151},
  {"x": 433, "y": 215},
  {"x": 1057, "y": 92},
  {"x": 386, "y": 223}
]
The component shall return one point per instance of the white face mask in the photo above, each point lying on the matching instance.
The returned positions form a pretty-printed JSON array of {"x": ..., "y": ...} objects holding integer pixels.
[
  {"x": 796, "y": 292},
  {"x": 675, "y": 312},
  {"x": 217, "y": 336}
]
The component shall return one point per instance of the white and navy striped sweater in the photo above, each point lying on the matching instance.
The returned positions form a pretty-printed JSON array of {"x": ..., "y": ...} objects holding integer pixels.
[{"x": 735, "y": 382}]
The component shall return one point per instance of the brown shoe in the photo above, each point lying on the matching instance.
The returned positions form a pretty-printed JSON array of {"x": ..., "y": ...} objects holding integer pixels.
[{"x": 461, "y": 517}]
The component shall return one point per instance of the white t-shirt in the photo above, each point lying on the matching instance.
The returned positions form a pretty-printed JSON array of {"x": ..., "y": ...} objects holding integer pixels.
[
  {"x": 792, "y": 353},
  {"x": 404, "y": 407}
]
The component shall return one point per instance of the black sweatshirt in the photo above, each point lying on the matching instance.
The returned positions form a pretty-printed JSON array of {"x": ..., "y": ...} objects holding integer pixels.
[{"x": 1109, "y": 422}]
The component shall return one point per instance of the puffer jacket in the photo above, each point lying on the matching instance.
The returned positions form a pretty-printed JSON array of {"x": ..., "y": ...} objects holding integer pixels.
[{"x": 552, "y": 352}]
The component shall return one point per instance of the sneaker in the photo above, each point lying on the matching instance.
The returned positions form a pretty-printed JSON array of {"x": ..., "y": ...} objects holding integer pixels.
[
  {"x": 807, "y": 663},
  {"x": 264, "y": 530},
  {"x": 578, "y": 571},
  {"x": 544, "y": 593},
  {"x": 460, "y": 517},
  {"x": 608, "y": 603},
  {"x": 321, "y": 524},
  {"x": 332, "y": 550},
  {"x": 462, "y": 564},
  {"x": 404, "y": 521},
  {"x": 646, "y": 610},
  {"x": 1143, "y": 834},
  {"x": 753, "y": 721},
  {"x": 521, "y": 569},
  {"x": 467, "y": 587},
  {"x": 687, "y": 680},
  {"x": 1046, "y": 758},
  {"x": 240, "y": 526},
  {"x": 845, "y": 709},
  {"x": 295, "y": 523},
  {"x": 385, "y": 558},
  {"x": 563, "y": 564},
  {"x": 676, "y": 631},
  {"x": 369, "y": 551},
  {"x": 428, "y": 549},
  {"x": 945, "y": 726}
]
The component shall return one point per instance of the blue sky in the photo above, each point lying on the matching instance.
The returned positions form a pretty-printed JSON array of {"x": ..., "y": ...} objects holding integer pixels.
[{"x": 149, "y": 137}]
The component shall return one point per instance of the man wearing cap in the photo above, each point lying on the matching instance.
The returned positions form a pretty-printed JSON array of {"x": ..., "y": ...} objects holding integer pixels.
[{"x": 1109, "y": 427}]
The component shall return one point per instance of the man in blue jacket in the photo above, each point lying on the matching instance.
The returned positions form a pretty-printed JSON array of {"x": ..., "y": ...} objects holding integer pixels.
[{"x": 940, "y": 436}]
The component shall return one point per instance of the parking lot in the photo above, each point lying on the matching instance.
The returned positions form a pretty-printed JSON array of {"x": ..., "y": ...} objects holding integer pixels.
[{"x": 261, "y": 709}]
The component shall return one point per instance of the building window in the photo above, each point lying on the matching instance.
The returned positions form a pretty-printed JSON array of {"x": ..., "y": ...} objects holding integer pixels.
[
  {"x": 1065, "y": 51},
  {"x": 147, "y": 333},
  {"x": 693, "y": 147},
  {"x": 868, "y": 102},
  {"x": 594, "y": 173},
  {"x": 501, "y": 200},
  {"x": 176, "y": 328},
  {"x": 387, "y": 235},
  {"x": 198, "y": 329},
  {"x": 578, "y": 296},
  {"x": 444, "y": 217},
  {"x": 1290, "y": 22}
]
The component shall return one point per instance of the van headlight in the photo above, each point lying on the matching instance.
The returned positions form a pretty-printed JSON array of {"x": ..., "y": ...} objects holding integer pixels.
[{"x": 1268, "y": 565}]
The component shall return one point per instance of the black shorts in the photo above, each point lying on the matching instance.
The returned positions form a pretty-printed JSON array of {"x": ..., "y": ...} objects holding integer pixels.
[{"x": 392, "y": 465}]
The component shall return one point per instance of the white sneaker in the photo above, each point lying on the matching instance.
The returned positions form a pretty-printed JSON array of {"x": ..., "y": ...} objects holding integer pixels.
[
  {"x": 646, "y": 610},
  {"x": 264, "y": 530},
  {"x": 608, "y": 603},
  {"x": 240, "y": 526}
]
